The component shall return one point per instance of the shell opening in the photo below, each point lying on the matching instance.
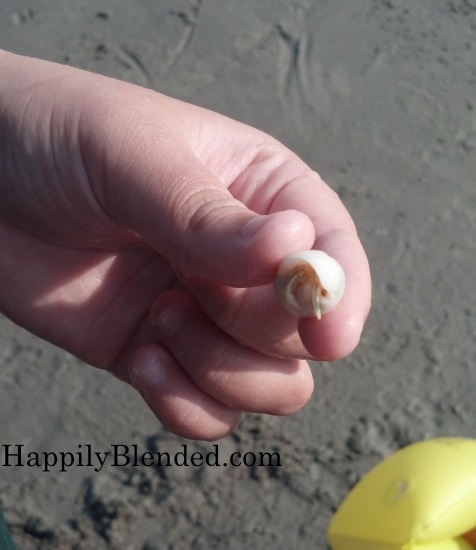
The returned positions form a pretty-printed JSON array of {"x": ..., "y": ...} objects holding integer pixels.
[{"x": 309, "y": 283}]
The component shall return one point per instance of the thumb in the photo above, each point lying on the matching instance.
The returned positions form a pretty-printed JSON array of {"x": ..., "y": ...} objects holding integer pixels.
[{"x": 185, "y": 213}]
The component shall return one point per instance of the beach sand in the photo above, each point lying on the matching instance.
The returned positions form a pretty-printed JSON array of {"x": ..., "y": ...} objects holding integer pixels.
[{"x": 379, "y": 97}]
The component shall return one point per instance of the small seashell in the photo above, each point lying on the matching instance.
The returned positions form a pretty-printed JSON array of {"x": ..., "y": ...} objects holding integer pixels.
[{"x": 309, "y": 283}]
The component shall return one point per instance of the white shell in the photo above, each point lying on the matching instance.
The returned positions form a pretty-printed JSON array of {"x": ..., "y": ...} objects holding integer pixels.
[{"x": 309, "y": 283}]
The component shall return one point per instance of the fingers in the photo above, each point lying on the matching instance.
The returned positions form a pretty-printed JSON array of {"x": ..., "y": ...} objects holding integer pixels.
[
  {"x": 209, "y": 376},
  {"x": 221, "y": 240},
  {"x": 252, "y": 316},
  {"x": 185, "y": 212},
  {"x": 339, "y": 332},
  {"x": 237, "y": 376},
  {"x": 274, "y": 331},
  {"x": 336, "y": 234},
  {"x": 174, "y": 398}
]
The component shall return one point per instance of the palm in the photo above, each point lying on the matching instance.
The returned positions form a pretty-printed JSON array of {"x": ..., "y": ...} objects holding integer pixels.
[{"x": 94, "y": 303}]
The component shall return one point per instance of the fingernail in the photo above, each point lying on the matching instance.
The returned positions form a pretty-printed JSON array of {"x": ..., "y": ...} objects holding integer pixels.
[
  {"x": 150, "y": 368},
  {"x": 168, "y": 320}
]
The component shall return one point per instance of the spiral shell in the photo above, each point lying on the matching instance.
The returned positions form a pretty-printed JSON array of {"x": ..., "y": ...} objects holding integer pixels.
[{"x": 309, "y": 283}]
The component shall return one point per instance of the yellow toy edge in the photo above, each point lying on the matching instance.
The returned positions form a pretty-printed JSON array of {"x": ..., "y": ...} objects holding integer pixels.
[
  {"x": 338, "y": 541},
  {"x": 348, "y": 544}
]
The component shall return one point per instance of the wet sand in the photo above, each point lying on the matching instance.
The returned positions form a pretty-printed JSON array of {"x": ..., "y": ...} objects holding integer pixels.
[{"x": 379, "y": 98}]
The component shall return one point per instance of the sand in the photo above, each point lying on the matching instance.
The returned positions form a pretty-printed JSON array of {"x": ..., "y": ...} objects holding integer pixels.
[{"x": 380, "y": 98}]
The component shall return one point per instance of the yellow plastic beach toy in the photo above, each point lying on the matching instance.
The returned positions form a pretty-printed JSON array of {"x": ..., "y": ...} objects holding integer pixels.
[{"x": 421, "y": 498}]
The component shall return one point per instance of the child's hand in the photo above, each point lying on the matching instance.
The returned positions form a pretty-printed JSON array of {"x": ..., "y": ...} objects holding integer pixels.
[{"x": 142, "y": 234}]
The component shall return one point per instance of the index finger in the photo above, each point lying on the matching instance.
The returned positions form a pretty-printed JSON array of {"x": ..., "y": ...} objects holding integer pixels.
[{"x": 339, "y": 331}]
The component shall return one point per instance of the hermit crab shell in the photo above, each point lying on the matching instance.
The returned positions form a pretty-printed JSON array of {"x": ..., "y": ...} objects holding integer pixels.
[{"x": 309, "y": 283}]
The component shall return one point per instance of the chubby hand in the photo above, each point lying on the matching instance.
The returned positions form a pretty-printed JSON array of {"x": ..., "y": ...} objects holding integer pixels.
[{"x": 142, "y": 234}]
